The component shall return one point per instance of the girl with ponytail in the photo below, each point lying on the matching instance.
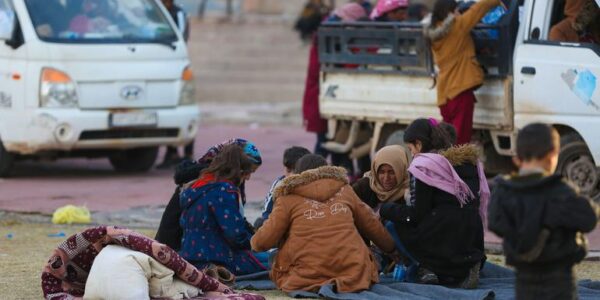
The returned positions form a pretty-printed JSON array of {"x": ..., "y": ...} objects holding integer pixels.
[
  {"x": 215, "y": 231},
  {"x": 441, "y": 224}
]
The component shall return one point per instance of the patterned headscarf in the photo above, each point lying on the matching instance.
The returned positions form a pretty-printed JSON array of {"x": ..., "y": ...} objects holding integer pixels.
[
  {"x": 350, "y": 12},
  {"x": 385, "y": 6},
  {"x": 249, "y": 149}
]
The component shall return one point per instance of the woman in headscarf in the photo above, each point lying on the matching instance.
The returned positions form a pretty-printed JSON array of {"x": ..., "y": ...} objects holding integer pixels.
[
  {"x": 388, "y": 179},
  {"x": 442, "y": 229}
]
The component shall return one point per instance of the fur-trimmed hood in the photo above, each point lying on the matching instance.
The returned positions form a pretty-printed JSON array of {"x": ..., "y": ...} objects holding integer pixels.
[
  {"x": 585, "y": 17},
  {"x": 459, "y": 155},
  {"x": 318, "y": 184},
  {"x": 435, "y": 33}
]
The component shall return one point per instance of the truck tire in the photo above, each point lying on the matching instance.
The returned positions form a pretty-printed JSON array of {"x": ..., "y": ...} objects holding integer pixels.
[
  {"x": 576, "y": 163},
  {"x": 6, "y": 161},
  {"x": 134, "y": 160}
]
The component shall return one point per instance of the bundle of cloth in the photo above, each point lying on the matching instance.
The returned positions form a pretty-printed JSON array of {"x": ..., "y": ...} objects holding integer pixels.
[{"x": 93, "y": 263}]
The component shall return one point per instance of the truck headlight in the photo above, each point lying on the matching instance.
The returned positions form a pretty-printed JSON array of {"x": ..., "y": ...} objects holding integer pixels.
[
  {"x": 57, "y": 89},
  {"x": 188, "y": 89}
]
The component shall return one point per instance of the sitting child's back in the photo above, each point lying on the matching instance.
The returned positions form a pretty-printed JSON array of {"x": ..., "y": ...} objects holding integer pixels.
[{"x": 317, "y": 222}]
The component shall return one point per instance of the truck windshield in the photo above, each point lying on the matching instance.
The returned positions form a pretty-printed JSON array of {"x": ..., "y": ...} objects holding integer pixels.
[{"x": 100, "y": 21}]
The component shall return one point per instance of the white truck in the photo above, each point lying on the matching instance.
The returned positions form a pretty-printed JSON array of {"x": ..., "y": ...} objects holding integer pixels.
[
  {"x": 529, "y": 79},
  {"x": 92, "y": 78}
]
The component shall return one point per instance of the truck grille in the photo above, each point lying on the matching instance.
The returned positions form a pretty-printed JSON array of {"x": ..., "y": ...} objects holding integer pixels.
[{"x": 128, "y": 134}]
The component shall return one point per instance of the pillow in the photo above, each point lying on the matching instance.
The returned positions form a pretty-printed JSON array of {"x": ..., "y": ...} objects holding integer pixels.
[{"x": 121, "y": 273}]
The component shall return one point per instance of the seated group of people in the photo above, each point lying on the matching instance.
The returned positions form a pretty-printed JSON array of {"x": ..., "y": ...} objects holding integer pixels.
[
  {"x": 327, "y": 231},
  {"x": 425, "y": 213}
]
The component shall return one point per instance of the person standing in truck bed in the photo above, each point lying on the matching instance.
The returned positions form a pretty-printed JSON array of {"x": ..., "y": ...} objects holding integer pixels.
[{"x": 449, "y": 36}]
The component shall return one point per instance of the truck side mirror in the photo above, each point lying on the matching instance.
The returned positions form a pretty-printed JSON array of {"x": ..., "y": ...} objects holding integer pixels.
[{"x": 7, "y": 24}]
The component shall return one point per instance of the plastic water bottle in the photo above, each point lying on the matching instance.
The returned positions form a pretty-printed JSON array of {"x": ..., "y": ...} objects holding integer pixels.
[{"x": 400, "y": 272}]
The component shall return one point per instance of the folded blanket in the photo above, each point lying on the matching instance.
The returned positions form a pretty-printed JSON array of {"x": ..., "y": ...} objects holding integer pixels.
[{"x": 66, "y": 272}]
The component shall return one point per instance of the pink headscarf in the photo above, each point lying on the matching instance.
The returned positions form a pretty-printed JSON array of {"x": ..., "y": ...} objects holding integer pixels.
[
  {"x": 350, "y": 12},
  {"x": 436, "y": 171},
  {"x": 384, "y": 6}
]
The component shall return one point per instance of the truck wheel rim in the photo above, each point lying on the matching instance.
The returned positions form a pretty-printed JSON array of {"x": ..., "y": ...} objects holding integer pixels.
[{"x": 582, "y": 172}]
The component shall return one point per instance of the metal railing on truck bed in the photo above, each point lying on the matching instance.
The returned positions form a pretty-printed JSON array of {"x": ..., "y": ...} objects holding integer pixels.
[{"x": 400, "y": 47}]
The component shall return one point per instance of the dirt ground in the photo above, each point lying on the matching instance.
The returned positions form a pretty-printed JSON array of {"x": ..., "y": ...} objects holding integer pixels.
[{"x": 25, "y": 247}]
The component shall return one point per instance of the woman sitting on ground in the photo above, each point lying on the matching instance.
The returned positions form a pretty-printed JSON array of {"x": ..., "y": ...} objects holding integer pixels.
[
  {"x": 388, "y": 179},
  {"x": 317, "y": 224},
  {"x": 214, "y": 228},
  {"x": 443, "y": 229}
]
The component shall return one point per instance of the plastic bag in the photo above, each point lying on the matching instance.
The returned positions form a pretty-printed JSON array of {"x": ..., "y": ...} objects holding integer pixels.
[
  {"x": 494, "y": 15},
  {"x": 71, "y": 214},
  {"x": 492, "y": 18}
]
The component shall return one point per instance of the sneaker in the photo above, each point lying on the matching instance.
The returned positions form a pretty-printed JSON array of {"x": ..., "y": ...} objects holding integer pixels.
[
  {"x": 472, "y": 279},
  {"x": 425, "y": 276}
]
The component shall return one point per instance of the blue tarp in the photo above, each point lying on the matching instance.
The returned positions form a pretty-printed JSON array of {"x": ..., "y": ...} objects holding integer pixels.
[{"x": 495, "y": 283}]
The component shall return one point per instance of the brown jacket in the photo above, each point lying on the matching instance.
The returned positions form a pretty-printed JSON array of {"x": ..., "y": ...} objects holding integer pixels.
[
  {"x": 566, "y": 30},
  {"x": 581, "y": 17},
  {"x": 317, "y": 224},
  {"x": 454, "y": 51}
]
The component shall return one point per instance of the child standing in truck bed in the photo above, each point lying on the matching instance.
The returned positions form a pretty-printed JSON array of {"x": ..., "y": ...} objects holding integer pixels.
[{"x": 449, "y": 35}]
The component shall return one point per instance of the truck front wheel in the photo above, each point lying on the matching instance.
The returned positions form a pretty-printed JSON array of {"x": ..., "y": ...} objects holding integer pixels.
[
  {"x": 6, "y": 160},
  {"x": 576, "y": 164},
  {"x": 134, "y": 160}
]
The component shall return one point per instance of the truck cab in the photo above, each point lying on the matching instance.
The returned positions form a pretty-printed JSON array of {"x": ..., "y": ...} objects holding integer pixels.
[
  {"x": 528, "y": 79},
  {"x": 92, "y": 78}
]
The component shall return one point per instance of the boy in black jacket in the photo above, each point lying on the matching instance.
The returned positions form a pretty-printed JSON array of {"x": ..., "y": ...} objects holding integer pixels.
[{"x": 541, "y": 218}]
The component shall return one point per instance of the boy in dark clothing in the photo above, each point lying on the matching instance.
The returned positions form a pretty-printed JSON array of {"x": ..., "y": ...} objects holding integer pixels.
[
  {"x": 541, "y": 218},
  {"x": 290, "y": 157}
]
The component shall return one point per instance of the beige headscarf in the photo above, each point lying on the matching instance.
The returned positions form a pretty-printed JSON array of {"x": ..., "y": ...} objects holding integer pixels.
[{"x": 397, "y": 157}]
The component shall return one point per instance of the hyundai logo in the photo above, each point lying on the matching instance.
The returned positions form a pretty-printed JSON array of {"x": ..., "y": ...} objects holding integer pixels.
[{"x": 131, "y": 92}]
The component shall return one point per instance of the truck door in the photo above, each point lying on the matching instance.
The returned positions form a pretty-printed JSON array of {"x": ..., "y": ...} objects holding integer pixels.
[{"x": 556, "y": 82}]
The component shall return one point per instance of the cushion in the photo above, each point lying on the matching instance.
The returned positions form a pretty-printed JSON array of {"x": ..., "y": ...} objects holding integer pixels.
[{"x": 121, "y": 273}]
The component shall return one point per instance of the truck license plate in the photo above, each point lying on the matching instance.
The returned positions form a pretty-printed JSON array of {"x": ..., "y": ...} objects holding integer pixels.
[{"x": 132, "y": 119}]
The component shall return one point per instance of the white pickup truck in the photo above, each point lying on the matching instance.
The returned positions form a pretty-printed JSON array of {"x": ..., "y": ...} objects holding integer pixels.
[
  {"x": 92, "y": 78},
  {"x": 378, "y": 76}
]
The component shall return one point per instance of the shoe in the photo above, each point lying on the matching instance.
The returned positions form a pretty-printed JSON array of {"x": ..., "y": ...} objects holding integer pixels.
[
  {"x": 425, "y": 276},
  {"x": 220, "y": 273},
  {"x": 472, "y": 279}
]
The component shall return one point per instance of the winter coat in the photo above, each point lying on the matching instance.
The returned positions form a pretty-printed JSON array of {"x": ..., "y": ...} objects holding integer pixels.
[
  {"x": 310, "y": 103},
  {"x": 214, "y": 230},
  {"x": 443, "y": 236},
  {"x": 564, "y": 31},
  {"x": 317, "y": 223},
  {"x": 169, "y": 232},
  {"x": 363, "y": 190},
  {"x": 541, "y": 219},
  {"x": 454, "y": 51},
  {"x": 269, "y": 200}
]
